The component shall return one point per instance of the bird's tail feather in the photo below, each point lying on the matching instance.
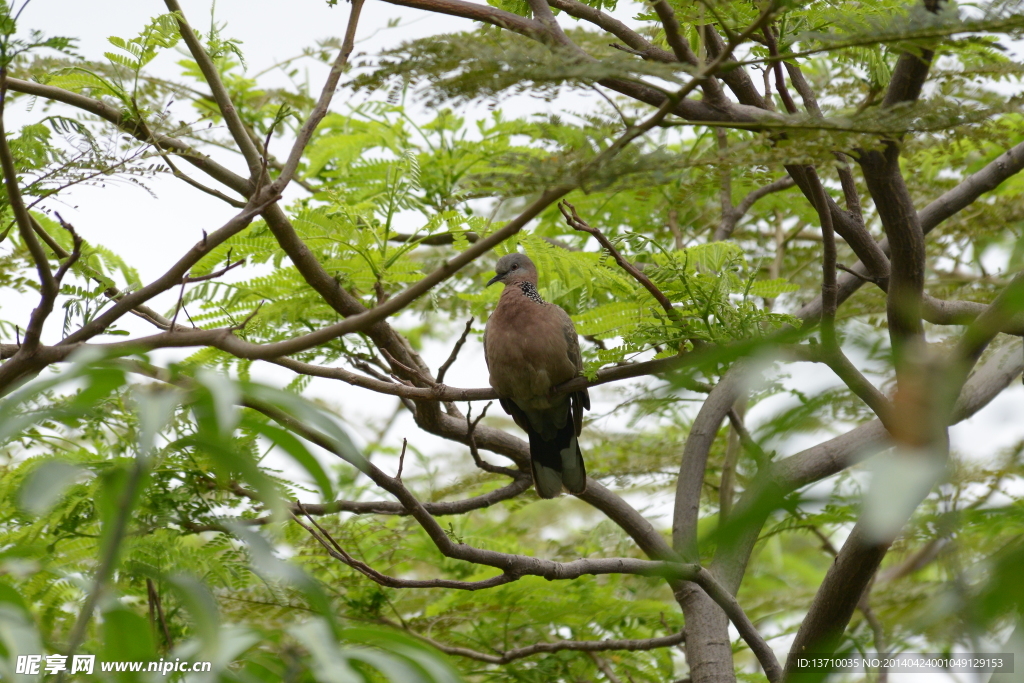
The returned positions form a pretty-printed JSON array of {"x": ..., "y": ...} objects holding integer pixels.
[{"x": 557, "y": 462}]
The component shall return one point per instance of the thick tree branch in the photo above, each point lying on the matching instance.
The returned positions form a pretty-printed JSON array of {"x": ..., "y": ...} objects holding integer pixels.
[
  {"x": 521, "y": 565},
  {"x": 476, "y": 12},
  {"x": 948, "y": 204},
  {"x": 174, "y": 275},
  {"x": 634, "y": 40},
  {"x": 737, "y": 78},
  {"x": 681, "y": 48},
  {"x": 137, "y": 130},
  {"x": 829, "y": 289},
  {"x": 48, "y": 284},
  {"x": 839, "y": 453}
]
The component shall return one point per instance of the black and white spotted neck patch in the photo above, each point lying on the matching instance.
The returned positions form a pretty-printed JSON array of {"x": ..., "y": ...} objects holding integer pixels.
[{"x": 530, "y": 291}]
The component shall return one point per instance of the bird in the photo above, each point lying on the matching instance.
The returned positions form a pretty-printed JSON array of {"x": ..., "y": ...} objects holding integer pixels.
[{"x": 531, "y": 346}]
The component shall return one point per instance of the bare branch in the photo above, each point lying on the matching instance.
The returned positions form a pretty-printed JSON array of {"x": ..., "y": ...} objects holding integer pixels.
[
  {"x": 577, "y": 223},
  {"x": 189, "y": 279},
  {"x": 852, "y": 378},
  {"x": 305, "y": 134},
  {"x": 220, "y": 93},
  {"x": 136, "y": 130},
  {"x": 837, "y": 454},
  {"x": 489, "y": 15},
  {"x": 48, "y": 285},
  {"x": 829, "y": 288},
  {"x": 731, "y": 217},
  {"x": 639, "y": 45},
  {"x": 471, "y": 426},
  {"x": 76, "y": 251},
  {"x": 746, "y": 629},
  {"x": 337, "y": 552},
  {"x": 176, "y": 172},
  {"x": 633, "y": 645},
  {"x": 754, "y": 195},
  {"x": 173, "y": 276},
  {"x": 948, "y": 204},
  {"x": 1001, "y": 312},
  {"x": 455, "y": 352},
  {"x": 746, "y": 440},
  {"x": 521, "y": 565}
]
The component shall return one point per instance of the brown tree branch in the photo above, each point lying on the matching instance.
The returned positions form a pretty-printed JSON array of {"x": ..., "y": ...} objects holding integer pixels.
[
  {"x": 136, "y": 130},
  {"x": 839, "y": 453},
  {"x": 945, "y": 206},
  {"x": 175, "y": 274},
  {"x": 639, "y": 45},
  {"x": 796, "y": 75},
  {"x": 521, "y": 565},
  {"x": 443, "y": 370},
  {"x": 730, "y": 218},
  {"x": 577, "y": 223},
  {"x": 829, "y": 289},
  {"x": 220, "y": 94},
  {"x": 633, "y": 645},
  {"x": 305, "y": 134},
  {"x": 737, "y": 79},
  {"x": 337, "y": 552},
  {"x": 48, "y": 284},
  {"x": 476, "y": 12},
  {"x": 681, "y": 48}
]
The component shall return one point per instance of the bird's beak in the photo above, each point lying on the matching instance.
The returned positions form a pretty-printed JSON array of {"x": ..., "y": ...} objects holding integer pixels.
[{"x": 496, "y": 278}]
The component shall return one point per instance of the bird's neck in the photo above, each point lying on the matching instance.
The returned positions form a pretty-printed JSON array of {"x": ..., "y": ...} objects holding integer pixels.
[{"x": 524, "y": 288}]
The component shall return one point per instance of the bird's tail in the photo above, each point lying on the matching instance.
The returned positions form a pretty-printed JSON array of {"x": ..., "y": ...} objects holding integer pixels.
[{"x": 557, "y": 462}]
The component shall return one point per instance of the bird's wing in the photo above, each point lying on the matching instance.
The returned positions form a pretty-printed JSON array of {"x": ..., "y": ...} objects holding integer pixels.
[
  {"x": 572, "y": 340},
  {"x": 518, "y": 416},
  {"x": 579, "y": 400}
]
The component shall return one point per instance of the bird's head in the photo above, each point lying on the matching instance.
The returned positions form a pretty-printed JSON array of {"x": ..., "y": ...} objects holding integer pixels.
[{"x": 514, "y": 268}]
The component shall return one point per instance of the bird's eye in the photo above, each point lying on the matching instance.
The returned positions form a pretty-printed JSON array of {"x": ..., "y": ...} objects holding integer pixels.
[{"x": 515, "y": 266}]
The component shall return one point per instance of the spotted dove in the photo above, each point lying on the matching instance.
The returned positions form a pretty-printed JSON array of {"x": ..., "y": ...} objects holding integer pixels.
[{"x": 531, "y": 346}]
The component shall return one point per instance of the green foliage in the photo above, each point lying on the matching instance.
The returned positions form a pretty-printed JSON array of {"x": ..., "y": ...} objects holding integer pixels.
[
  {"x": 145, "y": 460},
  {"x": 486, "y": 64},
  {"x": 190, "y": 496}
]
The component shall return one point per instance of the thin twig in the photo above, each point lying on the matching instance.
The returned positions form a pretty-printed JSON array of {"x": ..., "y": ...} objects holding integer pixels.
[
  {"x": 76, "y": 250},
  {"x": 47, "y": 284},
  {"x": 401, "y": 458},
  {"x": 335, "y": 550},
  {"x": 633, "y": 645},
  {"x": 859, "y": 276},
  {"x": 155, "y": 602},
  {"x": 577, "y": 223},
  {"x": 189, "y": 279},
  {"x": 455, "y": 352},
  {"x": 305, "y": 134},
  {"x": 409, "y": 372},
  {"x": 475, "y": 452},
  {"x": 604, "y": 668},
  {"x": 746, "y": 440},
  {"x": 521, "y": 565},
  {"x": 248, "y": 318}
]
